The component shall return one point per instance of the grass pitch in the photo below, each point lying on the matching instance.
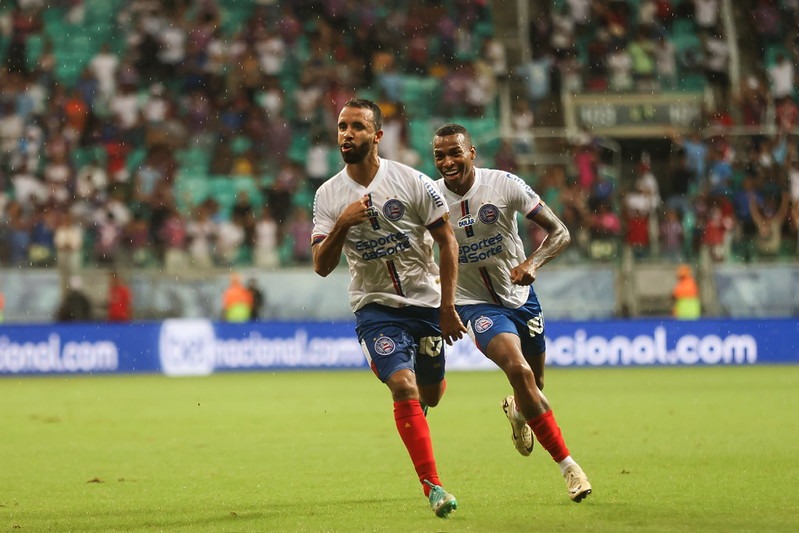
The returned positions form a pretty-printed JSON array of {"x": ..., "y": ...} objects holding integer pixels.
[{"x": 666, "y": 449}]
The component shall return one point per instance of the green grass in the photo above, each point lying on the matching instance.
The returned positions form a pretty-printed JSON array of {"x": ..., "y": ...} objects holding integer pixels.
[{"x": 667, "y": 449}]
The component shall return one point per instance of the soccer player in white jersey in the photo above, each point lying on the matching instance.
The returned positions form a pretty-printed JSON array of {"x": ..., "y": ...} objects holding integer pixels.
[
  {"x": 384, "y": 217},
  {"x": 495, "y": 296}
]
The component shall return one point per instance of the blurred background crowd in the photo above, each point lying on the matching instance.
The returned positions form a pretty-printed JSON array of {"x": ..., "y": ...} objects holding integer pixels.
[{"x": 183, "y": 134}]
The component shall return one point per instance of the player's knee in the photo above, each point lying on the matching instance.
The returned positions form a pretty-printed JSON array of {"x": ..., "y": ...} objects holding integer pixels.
[
  {"x": 403, "y": 386},
  {"x": 519, "y": 375},
  {"x": 431, "y": 395}
]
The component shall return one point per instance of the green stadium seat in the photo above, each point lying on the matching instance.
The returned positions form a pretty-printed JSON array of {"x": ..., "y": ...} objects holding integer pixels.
[
  {"x": 191, "y": 190},
  {"x": 420, "y": 95},
  {"x": 33, "y": 49}
]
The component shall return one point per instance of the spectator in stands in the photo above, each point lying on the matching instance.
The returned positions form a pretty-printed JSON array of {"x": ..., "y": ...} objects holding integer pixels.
[
  {"x": 522, "y": 122},
  {"x": 620, "y": 66},
  {"x": 782, "y": 77},
  {"x": 642, "y": 56},
  {"x": 745, "y": 228},
  {"x": 681, "y": 183},
  {"x": 237, "y": 301},
  {"x": 753, "y": 102},
  {"x": 769, "y": 218},
  {"x": 706, "y": 15},
  {"x": 605, "y": 231},
  {"x": 672, "y": 242},
  {"x": 665, "y": 62},
  {"x": 258, "y": 299},
  {"x": 576, "y": 215},
  {"x": 172, "y": 234},
  {"x": 586, "y": 160},
  {"x": 716, "y": 66},
  {"x": 19, "y": 228},
  {"x": 104, "y": 67},
  {"x": 767, "y": 23},
  {"x": 41, "y": 251},
  {"x": 230, "y": 239},
  {"x": 636, "y": 220},
  {"x": 287, "y": 182},
  {"x": 299, "y": 229},
  {"x": 696, "y": 152},
  {"x": 120, "y": 299},
  {"x": 717, "y": 227},
  {"x": 537, "y": 78},
  {"x": 317, "y": 160},
  {"x": 201, "y": 232},
  {"x": 596, "y": 68},
  {"x": 68, "y": 241},
  {"x": 685, "y": 295},
  {"x": 267, "y": 236},
  {"x": 75, "y": 305}
]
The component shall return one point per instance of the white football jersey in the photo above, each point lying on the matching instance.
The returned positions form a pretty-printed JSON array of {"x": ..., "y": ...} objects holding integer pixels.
[
  {"x": 489, "y": 246},
  {"x": 390, "y": 256}
]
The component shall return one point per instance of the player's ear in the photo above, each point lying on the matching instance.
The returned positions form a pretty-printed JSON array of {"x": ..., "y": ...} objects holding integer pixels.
[{"x": 378, "y": 136}]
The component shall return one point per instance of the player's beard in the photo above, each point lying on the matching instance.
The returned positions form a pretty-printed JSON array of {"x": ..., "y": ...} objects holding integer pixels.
[{"x": 357, "y": 154}]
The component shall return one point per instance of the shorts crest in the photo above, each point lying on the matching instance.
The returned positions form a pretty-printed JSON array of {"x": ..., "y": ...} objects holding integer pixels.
[
  {"x": 384, "y": 345},
  {"x": 483, "y": 324}
]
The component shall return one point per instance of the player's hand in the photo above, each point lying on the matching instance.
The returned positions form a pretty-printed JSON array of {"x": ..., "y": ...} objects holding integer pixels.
[
  {"x": 452, "y": 328},
  {"x": 523, "y": 274},
  {"x": 355, "y": 213}
]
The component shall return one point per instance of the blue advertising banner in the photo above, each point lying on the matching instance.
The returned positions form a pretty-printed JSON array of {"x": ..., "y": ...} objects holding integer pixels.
[{"x": 183, "y": 347}]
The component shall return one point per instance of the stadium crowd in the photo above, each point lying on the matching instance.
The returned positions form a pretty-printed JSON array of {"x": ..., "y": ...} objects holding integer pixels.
[
  {"x": 194, "y": 133},
  {"x": 732, "y": 187}
]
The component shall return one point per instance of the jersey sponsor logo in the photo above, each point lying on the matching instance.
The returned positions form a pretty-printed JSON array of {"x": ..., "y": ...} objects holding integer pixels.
[
  {"x": 488, "y": 214},
  {"x": 483, "y": 324},
  {"x": 527, "y": 189},
  {"x": 384, "y": 346},
  {"x": 384, "y": 246},
  {"x": 438, "y": 201},
  {"x": 393, "y": 209},
  {"x": 480, "y": 250},
  {"x": 466, "y": 221}
]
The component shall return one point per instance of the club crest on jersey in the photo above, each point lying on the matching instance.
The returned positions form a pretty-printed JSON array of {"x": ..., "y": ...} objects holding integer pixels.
[
  {"x": 489, "y": 213},
  {"x": 483, "y": 324},
  {"x": 466, "y": 221},
  {"x": 384, "y": 346},
  {"x": 393, "y": 209}
]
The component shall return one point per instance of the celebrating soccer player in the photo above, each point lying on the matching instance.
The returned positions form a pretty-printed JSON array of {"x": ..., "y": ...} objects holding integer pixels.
[
  {"x": 384, "y": 216},
  {"x": 495, "y": 295}
]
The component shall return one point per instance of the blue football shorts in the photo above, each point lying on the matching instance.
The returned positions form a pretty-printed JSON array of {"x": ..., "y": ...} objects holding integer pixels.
[
  {"x": 394, "y": 339},
  {"x": 485, "y": 321}
]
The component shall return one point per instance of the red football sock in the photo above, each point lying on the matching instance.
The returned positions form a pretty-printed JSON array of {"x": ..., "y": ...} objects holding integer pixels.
[
  {"x": 415, "y": 434},
  {"x": 548, "y": 433}
]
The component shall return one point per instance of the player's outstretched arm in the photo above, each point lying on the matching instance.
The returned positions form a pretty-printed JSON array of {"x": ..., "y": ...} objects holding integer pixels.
[
  {"x": 327, "y": 253},
  {"x": 452, "y": 328},
  {"x": 557, "y": 240}
]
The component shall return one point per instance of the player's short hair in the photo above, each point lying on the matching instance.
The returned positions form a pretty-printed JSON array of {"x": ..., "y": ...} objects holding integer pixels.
[
  {"x": 363, "y": 103},
  {"x": 454, "y": 129}
]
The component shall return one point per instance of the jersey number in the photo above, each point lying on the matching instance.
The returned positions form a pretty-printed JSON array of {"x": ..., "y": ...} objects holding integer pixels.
[
  {"x": 430, "y": 346},
  {"x": 536, "y": 325}
]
